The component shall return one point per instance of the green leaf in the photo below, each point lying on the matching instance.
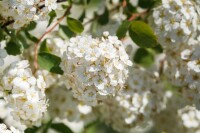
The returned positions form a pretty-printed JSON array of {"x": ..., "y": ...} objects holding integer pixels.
[
  {"x": 31, "y": 26},
  {"x": 64, "y": 31},
  {"x": 32, "y": 130},
  {"x": 52, "y": 15},
  {"x": 31, "y": 37},
  {"x": 142, "y": 34},
  {"x": 61, "y": 128},
  {"x": 49, "y": 62},
  {"x": 143, "y": 57},
  {"x": 146, "y": 3},
  {"x": 104, "y": 18},
  {"x": 121, "y": 32},
  {"x": 22, "y": 40},
  {"x": 47, "y": 126},
  {"x": 43, "y": 47},
  {"x": 13, "y": 48},
  {"x": 1, "y": 34},
  {"x": 82, "y": 17},
  {"x": 158, "y": 49},
  {"x": 57, "y": 70},
  {"x": 75, "y": 25}
]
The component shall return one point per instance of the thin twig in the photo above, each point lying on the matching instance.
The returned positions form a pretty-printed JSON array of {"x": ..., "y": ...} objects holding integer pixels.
[
  {"x": 47, "y": 32},
  {"x": 135, "y": 15}
]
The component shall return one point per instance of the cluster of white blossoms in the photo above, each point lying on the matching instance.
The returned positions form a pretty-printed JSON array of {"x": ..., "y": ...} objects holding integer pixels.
[
  {"x": 4, "y": 129},
  {"x": 179, "y": 116},
  {"x": 142, "y": 98},
  {"x": 175, "y": 22},
  {"x": 3, "y": 55},
  {"x": 190, "y": 117},
  {"x": 63, "y": 105},
  {"x": 25, "y": 11},
  {"x": 95, "y": 68},
  {"x": 24, "y": 93}
]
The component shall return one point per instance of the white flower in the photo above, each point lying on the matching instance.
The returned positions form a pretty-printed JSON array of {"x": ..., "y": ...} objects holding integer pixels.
[
  {"x": 99, "y": 67},
  {"x": 24, "y": 93},
  {"x": 25, "y": 11},
  {"x": 175, "y": 22},
  {"x": 140, "y": 100},
  {"x": 3, "y": 129},
  {"x": 51, "y": 4},
  {"x": 3, "y": 55},
  {"x": 64, "y": 106},
  {"x": 190, "y": 117}
]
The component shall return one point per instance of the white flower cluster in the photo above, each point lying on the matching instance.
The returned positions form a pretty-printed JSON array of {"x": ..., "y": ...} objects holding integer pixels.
[
  {"x": 24, "y": 93},
  {"x": 183, "y": 70},
  {"x": 95, "y": 67},
  {"x": 3, "y": 55},
  {"x": 175, "y": 22},
  {"x": 143, "y": 97},
  {"x": 179, "y": 116},
  {"x": 62, "y": 104},
  {"x": 190, "y": 117},
  {"x": 3, "y": 129},
  {"x": 25, "y": 11}
]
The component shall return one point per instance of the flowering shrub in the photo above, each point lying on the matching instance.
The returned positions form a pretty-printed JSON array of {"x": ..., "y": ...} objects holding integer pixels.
[{"x": 73, "y": 66}]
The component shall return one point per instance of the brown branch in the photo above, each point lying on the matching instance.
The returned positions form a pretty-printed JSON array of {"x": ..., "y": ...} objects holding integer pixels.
[
  {"x": 47, "y": 32},
  {"x": 7, "y": 23},
  {"x": 135, "y": 15}
]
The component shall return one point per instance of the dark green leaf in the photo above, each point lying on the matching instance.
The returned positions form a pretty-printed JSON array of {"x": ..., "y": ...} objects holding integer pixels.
[
  {"x": 32, "y": 130},
  {"x": 49, "y": 62},
  {"x": 1, "y": 35},
  {"x": 142, "y": 34},
  {"x": 82, "y": 17},
  {"x": 88, "y": 1},
  {"x": 104, "y": 18},
  {"x": 31, "y": 37},
  {"x": 65, "y": 31},
  {"x": 13, "y": 48},
  {"x": 143, "y": 57},
  {"x": 57, "y": 70},
  {"x": 146, "y": 3},
  {"x": 121, "y": 32},
  {"x": 61, "y": 128},
  {"x": 52, "y": 15},
  {"x": 75, "y": 25},
  {"x": 158, "y": 49},
  {"x": 31, "y": 26}
]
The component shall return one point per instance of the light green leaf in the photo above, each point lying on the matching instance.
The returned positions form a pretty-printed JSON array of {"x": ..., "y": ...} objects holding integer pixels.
[
  {"x": 43, "y": 47},
  {"x": 49, "y": 62},
  {"x": 142, "y": 34},
  {"x": 75, "y": 25}
]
